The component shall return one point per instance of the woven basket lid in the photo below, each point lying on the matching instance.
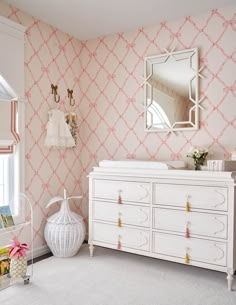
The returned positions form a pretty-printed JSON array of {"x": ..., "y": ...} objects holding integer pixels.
[{"x": 65, "y": 215}]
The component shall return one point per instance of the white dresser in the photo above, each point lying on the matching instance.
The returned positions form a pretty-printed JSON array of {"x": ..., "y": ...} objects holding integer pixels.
[{"x": 182, "y": 216}]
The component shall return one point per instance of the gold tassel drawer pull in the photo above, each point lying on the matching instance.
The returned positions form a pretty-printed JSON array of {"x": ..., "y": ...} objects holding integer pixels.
[
  {"x": 119, "y": 223},
  {"x": 187, "y": 257},
  {"x": 187, "y": 204}
]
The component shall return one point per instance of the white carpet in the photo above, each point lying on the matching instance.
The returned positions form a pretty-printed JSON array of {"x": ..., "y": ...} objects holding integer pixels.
[{"x": 117, "y": 278}]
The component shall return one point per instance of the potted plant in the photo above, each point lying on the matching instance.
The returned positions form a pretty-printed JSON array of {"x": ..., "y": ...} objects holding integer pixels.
[{"x": 17, "y": 253}]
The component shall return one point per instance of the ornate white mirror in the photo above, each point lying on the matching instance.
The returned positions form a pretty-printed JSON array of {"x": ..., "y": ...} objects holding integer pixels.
[{"x": 172, "y": 91}]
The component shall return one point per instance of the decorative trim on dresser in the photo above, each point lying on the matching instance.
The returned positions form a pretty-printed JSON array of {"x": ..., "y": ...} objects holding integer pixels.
[{"x": 182, "y": 216}]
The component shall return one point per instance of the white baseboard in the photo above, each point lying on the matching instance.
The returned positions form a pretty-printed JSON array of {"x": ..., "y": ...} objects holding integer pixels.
[{"x": 39, "y": 251}]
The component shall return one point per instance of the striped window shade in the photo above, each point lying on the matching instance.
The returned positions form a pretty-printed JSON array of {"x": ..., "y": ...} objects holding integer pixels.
[
  {"x": 11, "y": 82},
  {"x": 8, "y": 127}
]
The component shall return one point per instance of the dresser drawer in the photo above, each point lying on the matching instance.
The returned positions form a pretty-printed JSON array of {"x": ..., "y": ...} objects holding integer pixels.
[
  {"x": 128, "y": 237},
  {"x": 211, "y": 225},
  {"x": 128, "y": 214},
  {"x": 199, "y": 197},
  {"x": 128, "y": 191},
  {"x": 205, "y": 251}
]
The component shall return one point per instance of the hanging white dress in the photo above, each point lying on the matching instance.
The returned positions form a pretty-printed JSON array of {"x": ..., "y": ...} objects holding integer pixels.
[{"x": 58, "y": 132}]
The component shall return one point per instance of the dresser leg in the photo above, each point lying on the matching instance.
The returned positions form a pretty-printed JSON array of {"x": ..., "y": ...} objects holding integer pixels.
[
  {"x": 230, "y": 278},
  {"x": 91, "y": 249}
]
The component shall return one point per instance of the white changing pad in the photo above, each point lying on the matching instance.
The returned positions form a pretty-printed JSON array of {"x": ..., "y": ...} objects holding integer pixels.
[{"x": 143, "y": 164}]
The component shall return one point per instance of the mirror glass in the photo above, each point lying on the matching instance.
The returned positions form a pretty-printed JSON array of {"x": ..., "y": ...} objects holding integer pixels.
[{"x": 171, "y": 91}]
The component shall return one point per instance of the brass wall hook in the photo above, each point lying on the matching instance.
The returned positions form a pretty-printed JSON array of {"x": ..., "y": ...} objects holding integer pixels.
[
  {"x": 54, "y": 92},
  {"x": 70, "y": 96}
]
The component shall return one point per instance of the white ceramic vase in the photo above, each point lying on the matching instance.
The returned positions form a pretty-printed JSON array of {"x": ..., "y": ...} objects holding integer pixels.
[{"x": 65, "y": 230}]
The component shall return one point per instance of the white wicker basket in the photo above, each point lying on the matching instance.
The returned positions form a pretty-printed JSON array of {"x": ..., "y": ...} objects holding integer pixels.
[{"x": 65, "y": 230}]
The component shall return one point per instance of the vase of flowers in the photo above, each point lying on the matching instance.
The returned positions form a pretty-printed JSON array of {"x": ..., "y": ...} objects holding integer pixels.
[
  {"x": 18, "y": 264},
  {"x": 199, "y": 156}
]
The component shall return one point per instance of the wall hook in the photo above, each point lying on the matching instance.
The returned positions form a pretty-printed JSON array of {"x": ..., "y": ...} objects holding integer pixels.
[
  {"x": 70, "y": 96},
  {"x": 54, "y": 92}
]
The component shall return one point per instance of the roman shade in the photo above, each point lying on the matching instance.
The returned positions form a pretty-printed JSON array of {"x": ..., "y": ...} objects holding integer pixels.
[{"x": 8, "y": 127}]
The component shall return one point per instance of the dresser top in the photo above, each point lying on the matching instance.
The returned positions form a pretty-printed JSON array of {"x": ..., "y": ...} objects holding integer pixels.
[{"x": 165, "y": 174}]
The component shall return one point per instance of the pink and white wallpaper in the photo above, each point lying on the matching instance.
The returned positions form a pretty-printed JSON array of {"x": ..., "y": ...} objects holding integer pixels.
[{"x": 106, "y": 76}]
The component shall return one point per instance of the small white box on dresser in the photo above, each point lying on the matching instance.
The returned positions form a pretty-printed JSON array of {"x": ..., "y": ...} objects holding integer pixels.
[
  {"x": 221, "y": 165},
  {"x": 233, "y": 155}
]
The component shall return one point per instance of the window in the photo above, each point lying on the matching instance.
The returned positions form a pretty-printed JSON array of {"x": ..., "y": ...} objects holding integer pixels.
[
  {"x": 6, "y": 180},
  {"x": 12, "y": 182},
  {"x": 11, "y": 115},
  {"x": 9, "y": 153},
  {"x": 11, "y": 165},
  {"x": 11, "y": 156}
]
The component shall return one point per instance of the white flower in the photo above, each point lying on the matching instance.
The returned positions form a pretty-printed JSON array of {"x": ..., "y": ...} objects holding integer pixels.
[
  {"x": 197, "y": 153},
  {"x": 203, "y": 150},
  {"x": 191, "y": 149}
]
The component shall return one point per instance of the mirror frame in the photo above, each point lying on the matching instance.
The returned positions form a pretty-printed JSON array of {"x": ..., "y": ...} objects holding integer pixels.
[{"x": 193, "y": 95}]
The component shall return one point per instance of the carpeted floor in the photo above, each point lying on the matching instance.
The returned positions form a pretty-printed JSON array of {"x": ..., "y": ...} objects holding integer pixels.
[{"x": 116, "y": 278}]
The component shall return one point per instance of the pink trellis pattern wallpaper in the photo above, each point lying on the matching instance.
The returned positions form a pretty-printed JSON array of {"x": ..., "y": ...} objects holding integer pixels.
[{"x": 106, "y": 75}]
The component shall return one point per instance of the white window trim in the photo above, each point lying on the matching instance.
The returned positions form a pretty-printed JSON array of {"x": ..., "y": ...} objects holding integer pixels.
[
  {"x": 7, "y": 186},
  {"x": 5, "y": 177},
  {"x": 19, "y": 166}
]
